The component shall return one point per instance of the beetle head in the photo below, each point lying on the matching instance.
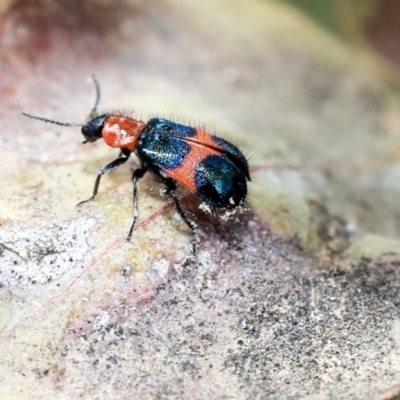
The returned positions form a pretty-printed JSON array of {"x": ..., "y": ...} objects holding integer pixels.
[{"x": 92, "y": 130}]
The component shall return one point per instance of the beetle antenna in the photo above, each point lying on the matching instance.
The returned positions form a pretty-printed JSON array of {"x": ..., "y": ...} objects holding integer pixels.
[
  {"x": 93, "y": 112},
  {"x": 51, "y": 121}
]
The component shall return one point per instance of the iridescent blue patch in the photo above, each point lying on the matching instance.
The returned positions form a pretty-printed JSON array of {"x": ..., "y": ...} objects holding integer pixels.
[
  {"x": 220, "y": 183},
  {"x": 163, "y": 151},
  {"x": 172, "y": 128},
  {"x": 234, "y": 154}
]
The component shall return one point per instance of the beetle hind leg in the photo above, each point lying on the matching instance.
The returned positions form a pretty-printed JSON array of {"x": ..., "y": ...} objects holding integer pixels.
[{"x": 171, "y": 192}]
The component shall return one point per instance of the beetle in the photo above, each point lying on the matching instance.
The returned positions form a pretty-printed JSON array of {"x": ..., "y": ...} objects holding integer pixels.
[{"x": 209, "y": 166}]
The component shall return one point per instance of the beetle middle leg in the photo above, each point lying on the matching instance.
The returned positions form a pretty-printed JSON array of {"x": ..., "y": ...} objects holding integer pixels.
[{"x": 137, "y": 174}]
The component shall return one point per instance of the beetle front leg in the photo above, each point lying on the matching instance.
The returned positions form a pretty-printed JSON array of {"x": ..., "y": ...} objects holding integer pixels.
[{"x": 105, "y": 170}]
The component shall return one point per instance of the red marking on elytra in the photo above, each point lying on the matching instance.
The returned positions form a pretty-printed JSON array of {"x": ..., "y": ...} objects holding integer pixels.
[
  {"x": 204, "y": 138},
  {"x": 185, "y": 173}
]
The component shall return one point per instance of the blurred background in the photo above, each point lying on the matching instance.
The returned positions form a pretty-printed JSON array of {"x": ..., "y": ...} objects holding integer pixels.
[{"x": 372, "y": 25}]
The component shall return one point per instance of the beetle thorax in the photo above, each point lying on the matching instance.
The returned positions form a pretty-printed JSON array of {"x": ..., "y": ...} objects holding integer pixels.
[{"x": 122, "y": 132}]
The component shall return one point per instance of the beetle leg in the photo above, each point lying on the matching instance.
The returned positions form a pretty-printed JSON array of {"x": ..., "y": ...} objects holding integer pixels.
[
  {"x": 138, "y": 173},
  {"x": 171, "y": 192},
  {"x": 105, "y": 170}
]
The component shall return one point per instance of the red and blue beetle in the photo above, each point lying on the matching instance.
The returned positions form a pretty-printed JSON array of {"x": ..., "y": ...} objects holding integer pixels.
[{"x": 209, "y": 166}]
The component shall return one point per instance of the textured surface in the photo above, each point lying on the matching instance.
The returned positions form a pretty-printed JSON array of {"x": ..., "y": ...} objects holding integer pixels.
[{"x": 295, "y": 297}]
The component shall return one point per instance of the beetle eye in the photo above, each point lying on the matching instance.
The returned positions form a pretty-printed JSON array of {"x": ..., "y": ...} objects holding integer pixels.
[{"x": 92, "y": 131}]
